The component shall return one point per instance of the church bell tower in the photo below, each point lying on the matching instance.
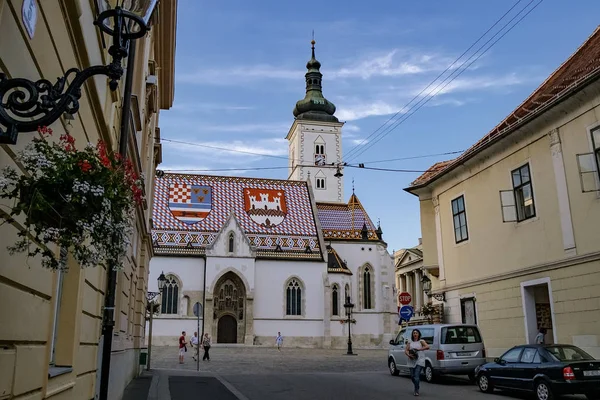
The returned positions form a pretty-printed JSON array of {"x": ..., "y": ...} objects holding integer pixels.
[{"x": 315, "y": 139}]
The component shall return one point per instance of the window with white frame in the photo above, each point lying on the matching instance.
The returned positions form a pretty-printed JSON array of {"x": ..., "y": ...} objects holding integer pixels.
[
  {"x": 468, "y": 311},
  {"x": 521, "y": 180},
  {"x": 293, "y": 298},
  {"x": 459, "y": 216},
  {"x": 596, "y": 146},
  {"x": 170, "y": 296},
  {"x": 589, "y": 164},
  {"x": 367, "y": 281},
  {"x": 335, "y": 300},
  {"x": 320, "y": 183},
  {"x": 231, "y": 242}
]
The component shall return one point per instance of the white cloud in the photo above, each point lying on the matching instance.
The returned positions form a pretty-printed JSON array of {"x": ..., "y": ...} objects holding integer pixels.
[
  {"x": 242, "y": 151},
  {"x": 364, "y": 110},
  {"x": 190, "y": 125},
  {"x": 351, "y": 128},
  {"x": 359, "y": 142},
  {"x": 476, "y": 83},
  {"x": 208, "y": 107},
  {"x": 236, "y": 75}
]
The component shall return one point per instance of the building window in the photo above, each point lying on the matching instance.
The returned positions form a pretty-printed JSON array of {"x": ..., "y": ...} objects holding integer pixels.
[
  {"x": 320, "y": 149},
  {"x": 320, "y": 158},
  {"x": 170, "y": 296},
  {"x": 293, "y": 298},
  {"x": 596, "y": 146},
  {"x": 521, "y": 180},
  {"x": 346, "y": 291},
  {"x": 468, "y": 311},
  {"x": 335, "y": 301},
  {"x": 367, "y": 289},
  {"x": 459, "y": 215},
  {"x": 320, "y": 182},
  {"x": 231, "y": 242},
  {"x": 55, "y": 323}
]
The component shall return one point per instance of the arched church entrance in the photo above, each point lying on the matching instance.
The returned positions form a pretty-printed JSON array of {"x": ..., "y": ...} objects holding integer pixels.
[{"x": 229, "y": 309}]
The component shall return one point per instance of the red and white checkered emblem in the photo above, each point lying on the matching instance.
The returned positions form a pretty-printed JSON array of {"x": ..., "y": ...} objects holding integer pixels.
[{"x": 180, "y": 193}]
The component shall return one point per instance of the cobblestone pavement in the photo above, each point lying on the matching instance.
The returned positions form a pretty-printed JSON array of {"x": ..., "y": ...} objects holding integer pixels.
[{"x": 265, "y": 360}]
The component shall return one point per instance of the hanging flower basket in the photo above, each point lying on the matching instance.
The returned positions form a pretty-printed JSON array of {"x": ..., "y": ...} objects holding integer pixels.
[{"x": 80, "y": 200}]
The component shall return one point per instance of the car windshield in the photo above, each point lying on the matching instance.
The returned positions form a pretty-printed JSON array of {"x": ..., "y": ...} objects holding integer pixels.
[
  {"x": 460, "y": 335},
  {"x": 568, "y": 353}
]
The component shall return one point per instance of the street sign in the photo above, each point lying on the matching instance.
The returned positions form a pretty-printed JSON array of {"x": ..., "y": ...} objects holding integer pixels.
[
  {"x": 405, "y": 298},
  {"x": 406, "y": 313},
  {"x": 197, "y": 309}
]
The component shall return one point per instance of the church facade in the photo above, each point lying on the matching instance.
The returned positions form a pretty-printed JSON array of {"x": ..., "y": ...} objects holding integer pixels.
[{"x": 265, "y": 256}]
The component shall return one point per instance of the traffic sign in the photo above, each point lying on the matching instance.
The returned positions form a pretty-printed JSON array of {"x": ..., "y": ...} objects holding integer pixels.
[
  {"x": 197, "y": 309},
  {"x": 405, "y": 298},
  {"x": 406, "y": 313}
]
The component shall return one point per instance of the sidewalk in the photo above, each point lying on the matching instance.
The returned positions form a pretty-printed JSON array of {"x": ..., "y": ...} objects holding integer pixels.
[{"x": 162, "y": 384}]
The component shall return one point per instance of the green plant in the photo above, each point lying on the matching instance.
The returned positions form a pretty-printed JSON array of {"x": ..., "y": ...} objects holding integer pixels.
[{"x": 78, "y": 200}]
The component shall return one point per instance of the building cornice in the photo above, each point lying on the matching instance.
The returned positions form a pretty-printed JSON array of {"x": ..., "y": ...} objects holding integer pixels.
[{"x": 549, "y": 266}]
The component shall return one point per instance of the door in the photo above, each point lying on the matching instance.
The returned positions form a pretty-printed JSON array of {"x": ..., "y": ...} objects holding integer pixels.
[
  {"x": 525, "y": 371},
  {"x": 503, "y": 373},
  {"x": 227, "y": 329},
  {"x": 398, "y": 349}
]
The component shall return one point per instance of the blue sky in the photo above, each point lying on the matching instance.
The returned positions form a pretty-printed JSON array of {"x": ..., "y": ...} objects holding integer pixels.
[{"x": 240, "y": 69}]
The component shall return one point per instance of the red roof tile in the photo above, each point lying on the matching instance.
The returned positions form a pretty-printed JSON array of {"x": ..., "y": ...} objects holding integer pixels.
[
  {"x": 345, "y": 221},
  {"x": 573, "y": 74}
]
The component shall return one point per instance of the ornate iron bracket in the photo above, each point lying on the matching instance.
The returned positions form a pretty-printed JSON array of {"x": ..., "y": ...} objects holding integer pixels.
[
  {"x": 150, "y": 296},
  {"x": 26, "y": 105},
  {"x": 439, "y": 296}
]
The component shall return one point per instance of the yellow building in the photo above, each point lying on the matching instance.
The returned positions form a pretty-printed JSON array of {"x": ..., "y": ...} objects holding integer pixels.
[
  {"x": 50, "y": 322},
  {"x": 512, "y": 226}
]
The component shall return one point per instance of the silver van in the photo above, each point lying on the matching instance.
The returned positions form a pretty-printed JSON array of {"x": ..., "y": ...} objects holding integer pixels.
[{"x": 455, "y": 349}]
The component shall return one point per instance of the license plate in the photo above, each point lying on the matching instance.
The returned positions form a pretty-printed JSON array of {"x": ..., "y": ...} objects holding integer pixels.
[
  {"x": 463, "y": 353},
  {"x": 591, "y": 373}
]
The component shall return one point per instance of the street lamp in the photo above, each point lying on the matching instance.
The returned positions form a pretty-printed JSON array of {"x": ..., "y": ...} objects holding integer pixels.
[
  {"x": 150, "y": 296},
  {"x": 349, "y": 306},
  {"x": 426, "y": 283},
  {"x": 26, "y": 105}
]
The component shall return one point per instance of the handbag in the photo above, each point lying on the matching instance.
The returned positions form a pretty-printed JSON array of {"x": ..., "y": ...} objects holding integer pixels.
[{"x": 185, "y": 347}]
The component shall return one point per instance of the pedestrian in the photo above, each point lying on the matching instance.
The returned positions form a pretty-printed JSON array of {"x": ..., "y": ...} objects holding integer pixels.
[
  {"x": 182, "y": 347},
  {"x": 416, "y": 358},
  {"x": 206, "y": 347},
  {"x": 279, "y": 341},
  {"x": 195, "y": 345},
  {"x": 540, "y": 338}
]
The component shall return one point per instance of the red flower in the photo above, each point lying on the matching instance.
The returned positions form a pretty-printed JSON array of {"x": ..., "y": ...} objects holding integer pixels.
[
  {"x": 44, "y": 130},
  {"x": 84, "y": 165}
]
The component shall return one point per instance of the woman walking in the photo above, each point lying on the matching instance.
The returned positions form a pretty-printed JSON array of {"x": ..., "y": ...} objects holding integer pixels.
[
  {"x": 416, "y": 358},
  {"x": 206, "y": 347}
]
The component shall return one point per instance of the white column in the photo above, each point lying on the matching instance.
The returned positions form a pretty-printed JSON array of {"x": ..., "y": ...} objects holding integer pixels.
[
  {"x": 409, "y": 288},
  {"x": 564, "y": 208},
  {"x": 418, "y": 292}
]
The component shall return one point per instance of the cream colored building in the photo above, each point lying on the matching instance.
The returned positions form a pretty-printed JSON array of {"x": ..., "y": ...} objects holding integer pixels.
[
  {"x": 50, "y": 322},
  {"x": 513, "y": 224}
]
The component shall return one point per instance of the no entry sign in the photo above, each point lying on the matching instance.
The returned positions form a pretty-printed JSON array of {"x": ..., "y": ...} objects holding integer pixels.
[{"x": 405, "y": 298}]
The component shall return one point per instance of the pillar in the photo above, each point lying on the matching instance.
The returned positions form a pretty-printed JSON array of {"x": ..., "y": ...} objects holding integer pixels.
[{"x": 418, "y": 296}]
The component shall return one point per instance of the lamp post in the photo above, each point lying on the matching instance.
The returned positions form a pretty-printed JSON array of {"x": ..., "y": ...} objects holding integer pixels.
[
  {"x": 349, "y": 306},
  {"x": 426, "y": 283},
  {"x": 150, "y": 296}
]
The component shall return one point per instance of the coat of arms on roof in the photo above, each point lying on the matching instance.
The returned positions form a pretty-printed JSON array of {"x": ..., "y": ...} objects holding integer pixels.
[
  {"x": 266, "y": 207},
  {"x": 190, "y": 203}
]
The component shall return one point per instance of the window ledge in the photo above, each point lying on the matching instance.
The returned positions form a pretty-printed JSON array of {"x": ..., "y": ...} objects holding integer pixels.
[
  {"x": 293, "y": 316},
  {"x": 57, "y": 371},
  {"x": 462, "y": 243},
  {"x": 527, "y": 221}
]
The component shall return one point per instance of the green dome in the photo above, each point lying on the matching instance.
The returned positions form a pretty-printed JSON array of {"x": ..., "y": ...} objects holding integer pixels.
[{"x": 314, "y": 106}]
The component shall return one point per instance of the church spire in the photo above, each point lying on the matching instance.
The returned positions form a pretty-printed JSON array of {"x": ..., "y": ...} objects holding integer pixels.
[{"x": 314, "y": 106}]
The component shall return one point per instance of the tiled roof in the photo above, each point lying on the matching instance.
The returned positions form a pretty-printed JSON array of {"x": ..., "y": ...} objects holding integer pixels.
[
  {"x": 190, "y": 210},
  {"x": 574, "y": 74},
  {"x": 345, "y": 221},
  {"x": 335, "y": 263}
]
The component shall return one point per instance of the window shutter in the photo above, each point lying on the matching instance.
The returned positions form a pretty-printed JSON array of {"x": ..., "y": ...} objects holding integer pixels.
[
  {"x": 507, "y": 203},
  {"x": 588, "y": 172}
]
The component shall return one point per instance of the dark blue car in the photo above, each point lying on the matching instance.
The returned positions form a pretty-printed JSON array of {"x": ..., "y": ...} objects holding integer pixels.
[{"x": 547, "y": 370}]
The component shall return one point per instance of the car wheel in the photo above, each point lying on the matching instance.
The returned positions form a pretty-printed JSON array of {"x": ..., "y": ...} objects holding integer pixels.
[
  {"x": 484, "y": 384},
  {"x": 393, "y": 369},
  {"x": 429, "y": 374},
  {"x": 543, "y": 391}
]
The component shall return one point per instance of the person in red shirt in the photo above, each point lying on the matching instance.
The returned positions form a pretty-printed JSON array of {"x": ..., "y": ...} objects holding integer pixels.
[{"x": 182, "y": 348}]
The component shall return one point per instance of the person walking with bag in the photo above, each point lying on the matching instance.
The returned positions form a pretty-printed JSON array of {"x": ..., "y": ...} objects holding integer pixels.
[
  {"x": 206, "y": 347},
  {"x": 416, "y": 358}
]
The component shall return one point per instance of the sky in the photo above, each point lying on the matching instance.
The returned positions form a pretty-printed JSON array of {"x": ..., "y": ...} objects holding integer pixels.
[{"x": 240, "y": 69}]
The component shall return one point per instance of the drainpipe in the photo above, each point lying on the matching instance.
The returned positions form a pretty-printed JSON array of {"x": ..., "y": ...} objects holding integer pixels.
[{"x": 108, "y": 321}]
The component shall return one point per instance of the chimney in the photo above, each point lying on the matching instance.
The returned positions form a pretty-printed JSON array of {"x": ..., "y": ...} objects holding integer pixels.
[{"x": 420, "y": 241}]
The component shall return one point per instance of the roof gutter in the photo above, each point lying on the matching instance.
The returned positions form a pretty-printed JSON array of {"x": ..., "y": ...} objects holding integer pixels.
[{"x": 586, "y": 82}]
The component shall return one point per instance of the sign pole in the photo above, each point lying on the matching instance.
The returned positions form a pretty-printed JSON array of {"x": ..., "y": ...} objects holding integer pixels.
[{"x": 198, "y": 309}]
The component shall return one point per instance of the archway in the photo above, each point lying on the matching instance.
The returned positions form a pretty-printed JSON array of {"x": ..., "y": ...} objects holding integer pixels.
[
  {"x": 227, "y": 329},
  {"x": 229, "y": 305}
]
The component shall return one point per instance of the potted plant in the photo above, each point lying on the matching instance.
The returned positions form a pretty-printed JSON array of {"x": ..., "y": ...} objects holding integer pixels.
[
  {"x": 428, "y": 310},
  {"x": 79, "y": 200}
]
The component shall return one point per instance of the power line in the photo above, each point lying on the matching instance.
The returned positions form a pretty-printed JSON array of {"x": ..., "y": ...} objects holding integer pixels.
[
  {"x": 223, "y": 148},
  {"x": 433, "y": 81},
  {"x": 425, "y": 100},
  {"x": 415, "y": 157},
  {"x": 386, "y": 169},
  {"x": 223, "y": 169}
]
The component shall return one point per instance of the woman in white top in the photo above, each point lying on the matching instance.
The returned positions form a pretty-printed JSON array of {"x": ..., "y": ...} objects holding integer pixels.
[{"x": 416, "y": 357}]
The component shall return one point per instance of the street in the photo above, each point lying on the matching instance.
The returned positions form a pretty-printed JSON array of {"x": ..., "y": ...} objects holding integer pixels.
[{"x": 258, "y": 373}]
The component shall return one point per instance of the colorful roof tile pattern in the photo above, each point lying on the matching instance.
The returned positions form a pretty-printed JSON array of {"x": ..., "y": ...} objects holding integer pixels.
[
  {"x": 276, "y": 215},
  {"x": 574, "y": 74},
  {"x": 335, "y": 263},
  {"x": 345, "y": 221}
]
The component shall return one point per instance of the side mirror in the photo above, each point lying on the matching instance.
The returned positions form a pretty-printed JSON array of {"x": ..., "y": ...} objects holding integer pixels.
[
  {"x": 392, "y": 342},
  {"x": 499, "y": 361}
]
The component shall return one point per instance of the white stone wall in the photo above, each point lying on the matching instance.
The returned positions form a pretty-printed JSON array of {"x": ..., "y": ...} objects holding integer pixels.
[{"x": 189, "y": 270}]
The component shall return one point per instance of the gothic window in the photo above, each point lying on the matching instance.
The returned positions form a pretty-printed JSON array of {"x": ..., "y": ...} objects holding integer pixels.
[
  {"x": 346, "y": 291},
  {"x": 320, "y": 183},
  {"x": 367, "y": 288},
  {"x": 335, "y": 301},
  {"x": 231, "y": 242},
  {"x": 170, "y": 296},
  {"x": 293, "y": 298},
  {"x": 320, "y": 158}
]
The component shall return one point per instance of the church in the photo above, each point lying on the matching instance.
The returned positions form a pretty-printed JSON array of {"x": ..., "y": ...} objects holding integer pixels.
[{"x": 265, "y": 255}]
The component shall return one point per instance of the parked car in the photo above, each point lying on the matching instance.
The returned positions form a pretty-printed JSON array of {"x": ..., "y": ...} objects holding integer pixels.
[
  {"x": 455, "y": 349},
  {"x": 547, "y": 370}
]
